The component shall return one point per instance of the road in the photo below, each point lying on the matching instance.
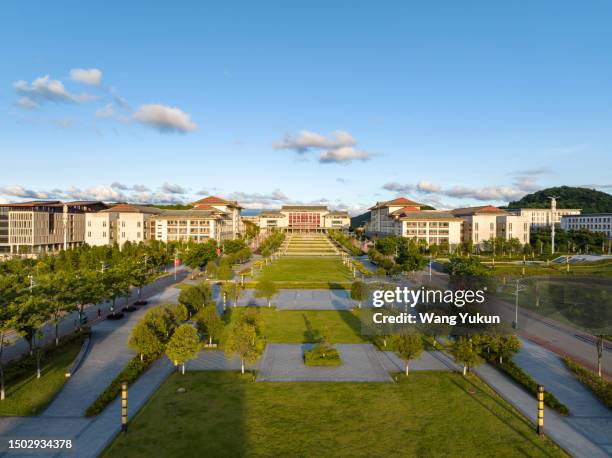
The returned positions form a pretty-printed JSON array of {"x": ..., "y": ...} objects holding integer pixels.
[{"x": 548, "y": 333}]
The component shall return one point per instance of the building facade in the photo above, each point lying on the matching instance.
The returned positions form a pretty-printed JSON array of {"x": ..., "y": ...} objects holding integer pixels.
[
  {"x": 119, "y": 224},
  {"x": 211, "y": 218},
  {"x": 544, "y": 217},
  {"x": 44, "y": 226},
  {"x": 594, "y": 222},
  {"x": 304, "y": 218},
  {"x": 405, "y": 218},
  {"x": 484, "y": 223}
]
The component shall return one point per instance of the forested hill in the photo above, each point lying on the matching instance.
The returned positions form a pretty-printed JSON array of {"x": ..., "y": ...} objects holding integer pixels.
[{"x": 589, "y": 200}]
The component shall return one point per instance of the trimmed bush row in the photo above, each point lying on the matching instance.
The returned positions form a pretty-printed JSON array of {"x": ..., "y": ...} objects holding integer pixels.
[
  {"x": 600, "y": 387},
  {"x": 129, "y": 374},
  {"x": 526, "y": 381}
]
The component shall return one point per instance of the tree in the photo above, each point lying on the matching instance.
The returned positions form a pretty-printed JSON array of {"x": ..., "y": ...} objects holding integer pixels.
[
  {"x": 408, "y": 346},
  {"x": 501, "y": 346},
  {"x": 10, "y": 288},
  {"x": 224, "y": 272},
  {"x": 177, "y": 312},
  {"x": 116, "y": 282},
  {"x": 199, "y": 255},
  {"x": 141, "y": 275},
  {"x": 58, "y": 291},
  {"x": 466, "y": 350},
  {"x": 160, "y": 322},
  {"x": 88, "y": 289},
  {"x": 210, "y": 322},
  {"x": 144, "y": 340},
  {"x": 231, "y": 290},
  {"x": 358, "y": 291},
  {"x": 244, "y": 342},
  {"x": 266, "y": 288},
  {"x": 183, "y": 345},
  {"x": 31, "y": 312},
  {"x": 192, "y": 298}
]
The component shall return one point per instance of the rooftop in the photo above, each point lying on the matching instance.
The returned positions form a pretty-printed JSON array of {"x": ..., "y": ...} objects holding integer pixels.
[
  {"x": 132, "y": 208},
  {"x": 428, "y": 214},
  {"x": 480, "y": 210},
  {"x": 304, "y": 208},
  {"x": 396, "y": 203},
  {"x": 214, "y": 200}
]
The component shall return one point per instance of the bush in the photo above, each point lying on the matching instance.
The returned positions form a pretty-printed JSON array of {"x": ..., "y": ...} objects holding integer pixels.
[
  {"x": 600, "y": 387},
  {"x": 322, "y": 355},
  {"x": 129, "y": 374},
  {"x": 526, "y": 381}
]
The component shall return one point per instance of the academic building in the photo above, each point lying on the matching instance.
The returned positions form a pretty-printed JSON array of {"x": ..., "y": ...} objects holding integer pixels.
[
  {"x": 303, "y": 218},
  {"x": 119, "y": 224},
  {"x": 44, "y": 226},
  {"x": 210, "y": 218},
  {"x": 487, "y": 222},
  {"x": 406, "y": 218},
  {"x": 595, "y": 222},
  {"x": 544, "y": 217}
]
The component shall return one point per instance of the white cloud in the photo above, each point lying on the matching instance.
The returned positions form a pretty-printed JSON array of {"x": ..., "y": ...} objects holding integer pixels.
[
  {"x": 173, "y": 188},
  {"x": 107, "y": 111},
  {"x": 344, "y": 154},
  {"x": 27, "y": 103},
  {"x": 45, "y": 89},
  {"x": 140, "y": 188},
  {"x": 120, "y": 186},
  {"x": 91, "y": 76},
  {"x": 164, "y": 118},
  {"x": 64, "y": 123},
  {"x": 21, "y": 192},
  {"x": 307, "y": 140},
  {"x": 522, "y": 185},
  {"x": 339, "y": 147}
]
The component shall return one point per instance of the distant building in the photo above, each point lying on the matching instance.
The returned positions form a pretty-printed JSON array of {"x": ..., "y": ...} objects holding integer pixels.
[
  {"x": 304, "y": 218},
  {"x": 211, "y": 218},
  {"x": 44, "y": 226},
  {"x": 403, "y": 217},
  {"x": 487, "y": 222},
  {"x": 544, "y": 217},
  {"x": 595, "y": 222},
  {"x": 119, "y": 224}
]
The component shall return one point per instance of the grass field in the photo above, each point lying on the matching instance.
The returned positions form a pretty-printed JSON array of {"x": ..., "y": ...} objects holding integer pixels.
[
  {"x": 27, "y": 395},
  {"x": 307, "y": 270},
  {"x": 599, "y": 269},
  {"x": 427, "y": 414},
  {"x": 297, "y": 326}
]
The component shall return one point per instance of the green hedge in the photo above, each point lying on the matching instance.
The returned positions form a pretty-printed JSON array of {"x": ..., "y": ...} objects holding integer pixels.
[
  {"x": 322, "y": 355},
  {"x": 129, "y": 374},
  {"x": 526, "y": 381},
  {"x": 600, "y": 387}
]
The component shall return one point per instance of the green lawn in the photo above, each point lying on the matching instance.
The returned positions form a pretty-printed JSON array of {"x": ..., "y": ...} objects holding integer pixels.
[
  {"x": 306, "y": 269},
  {"x": 427, "y": 414},
  {"x": 297, "y": 326},
  {"x": 27, "y": 395}
]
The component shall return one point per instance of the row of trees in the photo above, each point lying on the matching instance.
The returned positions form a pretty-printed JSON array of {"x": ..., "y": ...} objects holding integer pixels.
[
  {"x": 271, "y": 243},
  {"x": 346, "y": 241},
  {"x": 34, "y": 292}
]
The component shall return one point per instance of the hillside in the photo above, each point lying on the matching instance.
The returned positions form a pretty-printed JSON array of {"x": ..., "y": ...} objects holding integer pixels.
[
  {"x": 360, "y": 220},
  {"x": 589, "y": 200}
]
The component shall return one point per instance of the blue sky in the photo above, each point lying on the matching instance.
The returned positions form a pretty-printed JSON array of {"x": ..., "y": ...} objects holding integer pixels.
[{"x": 449, "y": 103}]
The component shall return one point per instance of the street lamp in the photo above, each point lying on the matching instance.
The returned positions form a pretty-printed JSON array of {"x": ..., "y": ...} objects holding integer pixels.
[{"x": 519, "y": 287}]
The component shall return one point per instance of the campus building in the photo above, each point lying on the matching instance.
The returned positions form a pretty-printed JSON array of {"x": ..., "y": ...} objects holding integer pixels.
[
  {"x": 595, "y": 222},
  {"x": 210, "y": 218},
  {"x": 544, "y": 217},
  {"x": 304, "y": 218},
  {"x": 406, "y": 218},
  {"x": 44, "y": 226},
  {"x": 487, "y": 222},
  {"x": 119, "y": 224}
]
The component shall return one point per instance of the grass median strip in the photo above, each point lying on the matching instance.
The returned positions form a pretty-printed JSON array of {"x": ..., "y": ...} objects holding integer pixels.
[{"x": 28, "y": 395}]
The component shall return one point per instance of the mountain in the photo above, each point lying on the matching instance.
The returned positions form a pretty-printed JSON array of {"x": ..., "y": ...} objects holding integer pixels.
[
  {"x": 589, "y": 200},
  {"x": 360, "y": 220}
]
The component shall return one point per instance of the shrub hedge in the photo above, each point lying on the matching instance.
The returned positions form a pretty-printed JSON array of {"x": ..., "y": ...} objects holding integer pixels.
[
  {"x": 129, "y": 374},
  {"x": 322, "y": 355},
  {"x": 600, "y": 387},
  {"x": 526, "y": 381}
]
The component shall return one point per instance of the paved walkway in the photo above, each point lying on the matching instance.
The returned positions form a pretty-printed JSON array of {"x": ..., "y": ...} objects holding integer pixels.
[
  {"x": 587, "y": 414},
  {"x": 107, "y": 355},
  {"x": 303, "y": 299},
  {"x": 284, "y": 363}
]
